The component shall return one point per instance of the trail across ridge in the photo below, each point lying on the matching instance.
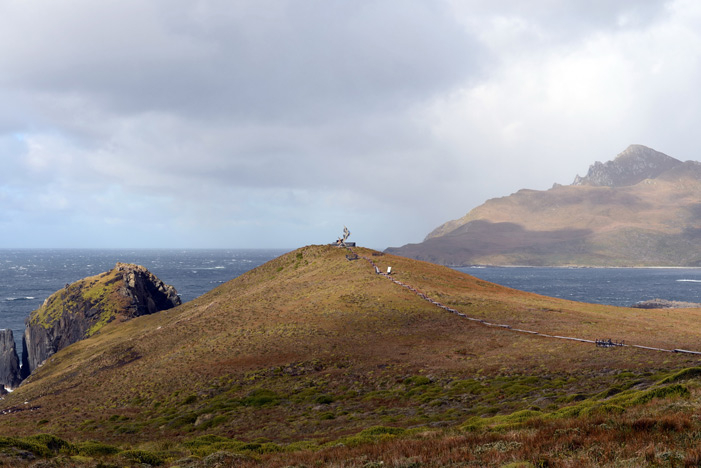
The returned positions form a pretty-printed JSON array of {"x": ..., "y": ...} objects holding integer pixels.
[{"x": 509, "y": 327}]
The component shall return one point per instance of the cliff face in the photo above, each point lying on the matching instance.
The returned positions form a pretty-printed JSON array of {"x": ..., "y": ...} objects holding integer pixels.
[
  {"x": 9, "y": 362},
  {"x": 643, "y": 208},
  {"x": 147, "y": 293},
  {"x": 80, "y": 309}
]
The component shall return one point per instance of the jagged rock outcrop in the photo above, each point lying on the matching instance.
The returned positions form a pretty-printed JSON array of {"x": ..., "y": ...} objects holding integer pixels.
[
  {"x": 148, "y": 294},
  {"x": 80, "y": 309},
  {"x": 643, "y": 208},
  {"x": 9, "y": 361},
  {"x": 633, "y": 165}
]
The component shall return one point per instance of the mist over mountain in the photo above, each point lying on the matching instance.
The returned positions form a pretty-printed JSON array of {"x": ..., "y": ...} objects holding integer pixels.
[{"x": 642, "y": 208}]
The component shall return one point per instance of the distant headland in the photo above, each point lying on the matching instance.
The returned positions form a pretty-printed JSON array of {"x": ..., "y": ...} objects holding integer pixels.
[{"x": 642, "y": 208}]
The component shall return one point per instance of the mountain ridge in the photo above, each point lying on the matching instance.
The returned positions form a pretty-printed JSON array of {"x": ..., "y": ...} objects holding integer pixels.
[{"x": 641, "y": 209}]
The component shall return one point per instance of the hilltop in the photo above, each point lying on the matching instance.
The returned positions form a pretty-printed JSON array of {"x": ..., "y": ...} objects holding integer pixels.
[
  {"x": 641, "y": 209},
  {"x": 315, "y": 357}
]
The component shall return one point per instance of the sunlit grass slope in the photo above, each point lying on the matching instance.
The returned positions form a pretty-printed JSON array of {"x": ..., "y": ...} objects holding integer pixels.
[{"x": 311, "y": 348}]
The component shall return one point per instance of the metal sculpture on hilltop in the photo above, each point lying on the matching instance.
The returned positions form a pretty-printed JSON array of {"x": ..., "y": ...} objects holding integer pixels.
[{"x": 342, "y": 240}]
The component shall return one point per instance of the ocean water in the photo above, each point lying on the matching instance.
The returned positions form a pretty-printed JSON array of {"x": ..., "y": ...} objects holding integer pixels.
[
  {"x": 28, "y": 276},
  {"x": 612, "y": 286}
]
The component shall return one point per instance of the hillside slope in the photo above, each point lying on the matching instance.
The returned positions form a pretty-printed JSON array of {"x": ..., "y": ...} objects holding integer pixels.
[
  {"x": 641, "y": 209},
  {"x": 312, "y": 346}
]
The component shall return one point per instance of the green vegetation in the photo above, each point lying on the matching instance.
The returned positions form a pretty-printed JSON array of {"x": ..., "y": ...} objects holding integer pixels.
[
  {"x": 492, "y": 439},
  {"x": 92, "y": 448},
  {"x": 260, "y": 397}
]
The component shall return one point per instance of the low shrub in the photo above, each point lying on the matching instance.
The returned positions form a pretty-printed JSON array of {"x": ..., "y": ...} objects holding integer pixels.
[
  {"x": 41, "y": 445},
  {"x": 605, "y": 409},
  {"x": 661, "y": 392},
  {"x": 684, "y": 374},
  {"x": 93, "y": 449},
  {"x": 324, "y": 399},
  {"x": 509, "y": 421},
  {"x": 189, "y": 399},
  {"x": 51, "y": 442},
  {"x": 417, "y": 380},
  {"x": 142, "y": 456},
  {"x": 260, "y": 397}
]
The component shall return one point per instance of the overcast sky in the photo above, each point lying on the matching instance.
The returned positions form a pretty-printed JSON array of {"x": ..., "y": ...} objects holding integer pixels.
[{"x": 237, "y": 123}]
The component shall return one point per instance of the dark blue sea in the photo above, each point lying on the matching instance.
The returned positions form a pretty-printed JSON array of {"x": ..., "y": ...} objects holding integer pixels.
[
  {"x": 612, "y": 286},
  {"x": 28, "y": 276}
]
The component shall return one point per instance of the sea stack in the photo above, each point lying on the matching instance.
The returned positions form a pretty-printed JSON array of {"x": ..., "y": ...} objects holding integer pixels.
[
  {"x": 81, "y": 309},
  {"x": 9, "y": 361}
]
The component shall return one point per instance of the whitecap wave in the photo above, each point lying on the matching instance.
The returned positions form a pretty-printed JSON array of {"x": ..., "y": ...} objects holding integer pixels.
[
  {"x": 689, "y": 281},
  {"x": 25, "y": 298}
]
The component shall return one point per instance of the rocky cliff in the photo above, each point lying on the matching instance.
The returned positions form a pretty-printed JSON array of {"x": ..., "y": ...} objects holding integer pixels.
[
  {"x": 80, "y": 309},
  {"x": 643, "y": 208},
  {"x": 9, "y": 361}
]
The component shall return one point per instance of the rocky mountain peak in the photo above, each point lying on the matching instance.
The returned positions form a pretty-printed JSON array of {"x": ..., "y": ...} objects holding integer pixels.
[{"x": 633, "y": 165}]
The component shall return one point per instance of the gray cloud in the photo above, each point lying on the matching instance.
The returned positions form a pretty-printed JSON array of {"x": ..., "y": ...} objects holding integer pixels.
[
  {"x": 233, "y": 120},
  {"x": 280, "y": 60}
]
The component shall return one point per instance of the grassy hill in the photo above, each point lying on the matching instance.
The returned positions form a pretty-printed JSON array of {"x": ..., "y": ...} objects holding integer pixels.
[{"x": 314, "y": 359}]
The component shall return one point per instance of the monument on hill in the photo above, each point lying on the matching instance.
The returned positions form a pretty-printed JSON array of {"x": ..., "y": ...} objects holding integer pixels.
[{"x": 341, "y": 242}]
